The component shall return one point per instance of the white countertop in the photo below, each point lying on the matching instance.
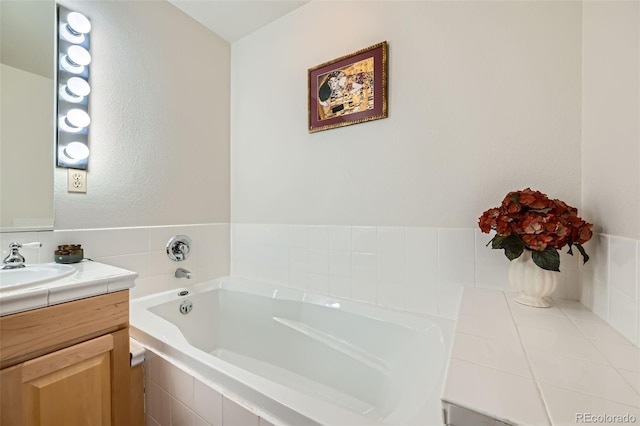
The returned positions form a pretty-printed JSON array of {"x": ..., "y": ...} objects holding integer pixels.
[
  {"x": 539, "y": 366},
  {"x": 90, "y": 279}
]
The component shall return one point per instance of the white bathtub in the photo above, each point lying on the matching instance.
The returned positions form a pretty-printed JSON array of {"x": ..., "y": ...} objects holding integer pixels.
[{"x": 299, "y": 358}]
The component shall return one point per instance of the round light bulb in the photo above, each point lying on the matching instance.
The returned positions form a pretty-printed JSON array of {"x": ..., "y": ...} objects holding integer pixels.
[
  {"x": 78, "y": 55},
  {"x": 78, "y": 23},
  {"x": 74, "y": 121},
  {"x": 76, "y": 59},
  {"x": 76, "y": 151},
  {"x": 75, "y": 28},
  {"x": 75, "y": 90}
]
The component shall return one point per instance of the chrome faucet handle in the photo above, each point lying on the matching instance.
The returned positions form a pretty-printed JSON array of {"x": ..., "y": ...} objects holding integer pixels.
[
  {"x": 179, "y": 248},
  {"x": 15, "y": 260}
]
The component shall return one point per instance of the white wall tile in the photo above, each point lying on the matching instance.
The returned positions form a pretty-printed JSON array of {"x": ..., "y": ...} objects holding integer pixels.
[
  {"x": 421, "y": 242},
  {"x": 340, "y": 238},
  {"x": 623, "y": 314},
  {"x": 318, "y": 237},
  {"x": 207, "y": 403},
  {"x": 318, "y": 283},
  {"x": 577, "y": 346},
  {"x": 318, "y": 261},
  {"x": 601, "y": 299},
  {"x": 276, "y": 256},
  {"x": 244, "y": 269},
  {"x": 391, "y": 241},
  {"x": 158, "y": 403},
  {"x": 180, "y": 414},
  {"x": 299, "y": 279},
  {"x": 133, "y": 240},
  {"x": 199, "y": 421},
  {"x": 492, "y": 266},
  {"x": 297, "y": 259},
  {"x": 364, "y": 266},
  {"x": 364, "y": 290},
  {"x": 391, "y": 269},
  {"x": 565, "y": 404},
  {"x": 592, "y": 378},
  {"x": 598, "y": 264},
  {"x": 172, "y": 379},
  {"x": 160, "y": 235},
  {"x": 150, "y": 421},
  {"x": 505, "y": 356},
  {"x": 340, "y": 263},
  {"x": 456, "y": 249},
  {"x": 391, "y": 294},
  {"x": 514, "y": 397},
  {"x": 623, "y": 265},
  {"x": 235, "y": 415},
  {"x": 271, "y": 275},
  {"x": 364, "y": 239},
  {"x": 340, "y": 287},
  {"x": 298, "y": 236}
]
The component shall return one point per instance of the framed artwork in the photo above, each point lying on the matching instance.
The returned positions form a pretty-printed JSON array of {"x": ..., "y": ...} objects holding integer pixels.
[{"x": 349, "y": 90}]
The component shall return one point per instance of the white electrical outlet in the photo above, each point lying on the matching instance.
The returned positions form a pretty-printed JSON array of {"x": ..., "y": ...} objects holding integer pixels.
[{"x": 77, "y": 180}]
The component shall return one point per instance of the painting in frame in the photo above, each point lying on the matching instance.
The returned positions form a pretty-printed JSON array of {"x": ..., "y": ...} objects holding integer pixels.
[{"x": 349, "y": 90}]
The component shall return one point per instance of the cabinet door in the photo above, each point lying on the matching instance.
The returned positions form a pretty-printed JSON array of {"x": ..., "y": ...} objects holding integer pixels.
[{"x": 70, "y": 387}]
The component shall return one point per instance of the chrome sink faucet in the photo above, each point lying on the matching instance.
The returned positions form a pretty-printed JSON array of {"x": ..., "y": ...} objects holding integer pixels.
[{"x": 15, "y": 260}]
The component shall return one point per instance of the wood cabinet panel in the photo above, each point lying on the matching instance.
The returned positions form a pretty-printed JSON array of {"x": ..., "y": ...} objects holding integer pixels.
[{"x": 29, "y": 334}]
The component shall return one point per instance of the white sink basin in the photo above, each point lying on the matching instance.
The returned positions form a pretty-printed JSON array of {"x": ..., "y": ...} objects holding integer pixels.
[{"x": 13, "y": 279}]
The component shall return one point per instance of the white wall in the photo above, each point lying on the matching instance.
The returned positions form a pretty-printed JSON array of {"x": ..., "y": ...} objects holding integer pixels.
[
  {"x": 484, "y": 98},
  {"x": 160, "y": 121},
  {"x": 26, "y": 108},
  {"x": 611, "y": 116}
]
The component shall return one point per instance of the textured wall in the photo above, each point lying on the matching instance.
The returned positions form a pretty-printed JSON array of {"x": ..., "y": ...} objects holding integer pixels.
[
  {"x": 484, "y": 97},
  {"x": 611, "y": 116},
  {"x": 160, "y": 129}
]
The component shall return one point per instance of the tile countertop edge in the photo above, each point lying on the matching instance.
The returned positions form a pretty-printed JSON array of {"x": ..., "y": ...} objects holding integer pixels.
[
  {"x": 476, "y": 373},
  {"x": 90, "y": 279}
]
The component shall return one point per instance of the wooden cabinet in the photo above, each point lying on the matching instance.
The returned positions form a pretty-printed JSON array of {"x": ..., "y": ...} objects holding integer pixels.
[{"x": 66, "y": 365}]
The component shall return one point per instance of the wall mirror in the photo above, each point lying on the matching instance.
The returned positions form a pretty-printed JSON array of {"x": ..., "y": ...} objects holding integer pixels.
[{"x": 27, "y": 49}]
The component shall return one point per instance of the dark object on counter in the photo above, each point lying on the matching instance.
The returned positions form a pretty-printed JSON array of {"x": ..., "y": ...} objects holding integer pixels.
[{"x": 72, "y": 253}]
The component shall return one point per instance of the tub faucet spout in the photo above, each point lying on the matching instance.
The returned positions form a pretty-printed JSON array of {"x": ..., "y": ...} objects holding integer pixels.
[{"x": 183, "y": 273}]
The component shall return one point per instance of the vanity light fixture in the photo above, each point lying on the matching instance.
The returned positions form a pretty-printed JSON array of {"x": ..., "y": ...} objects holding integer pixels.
[{"x": 74, "y": 59}]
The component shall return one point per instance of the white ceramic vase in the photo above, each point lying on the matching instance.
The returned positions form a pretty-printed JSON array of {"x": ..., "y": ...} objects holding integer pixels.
[{"x": 533, "y": 282}]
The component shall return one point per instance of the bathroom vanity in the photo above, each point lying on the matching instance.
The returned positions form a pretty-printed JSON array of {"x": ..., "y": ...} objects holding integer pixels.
[{"x": 67, "y": 363}]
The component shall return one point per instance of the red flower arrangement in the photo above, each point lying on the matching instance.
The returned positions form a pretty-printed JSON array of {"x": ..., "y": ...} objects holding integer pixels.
[{"x": 529, "y": 220}]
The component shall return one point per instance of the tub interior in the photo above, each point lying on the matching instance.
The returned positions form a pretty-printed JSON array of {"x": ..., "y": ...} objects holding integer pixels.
[{"x": 374, "y": 368}]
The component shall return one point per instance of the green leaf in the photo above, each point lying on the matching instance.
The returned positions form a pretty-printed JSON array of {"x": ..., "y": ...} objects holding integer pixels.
[
  {"x": 548, "y": 259},
  {"x": 496, "y": 242},
  {"x": 544, "y": 210},
  {"x": 513, "y": 247},
  {"x": 584, "y": 254}
]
